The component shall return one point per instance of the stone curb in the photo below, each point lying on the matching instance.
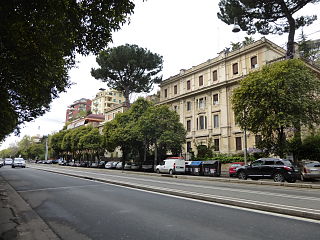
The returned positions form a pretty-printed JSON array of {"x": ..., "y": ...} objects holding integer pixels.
[{"x": 203, "y": 197}]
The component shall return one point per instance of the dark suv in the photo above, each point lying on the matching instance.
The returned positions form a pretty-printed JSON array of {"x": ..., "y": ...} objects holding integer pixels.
[{"x": 279, "y": 169}]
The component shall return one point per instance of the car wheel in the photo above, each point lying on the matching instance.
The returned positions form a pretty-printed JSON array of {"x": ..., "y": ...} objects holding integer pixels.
[
  {"x": 157, "y": 171},
  {"x": 242, "y": 175},
  {"x": 12, "y": 166},
  {"x": 170, "y": 172},
  {"x": 278, "y": 177}
]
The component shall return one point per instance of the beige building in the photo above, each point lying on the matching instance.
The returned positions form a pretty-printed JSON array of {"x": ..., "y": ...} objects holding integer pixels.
[
  {"x": 105, "y": 100},
  {"x": 201, "y": 96}
]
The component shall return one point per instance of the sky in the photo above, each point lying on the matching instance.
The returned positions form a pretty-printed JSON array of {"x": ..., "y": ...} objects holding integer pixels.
[{"x": 185, "y": 32}]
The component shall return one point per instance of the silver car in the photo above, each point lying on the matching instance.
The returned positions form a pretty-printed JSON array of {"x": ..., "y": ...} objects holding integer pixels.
[
  {"x": 310, "y": 170},
  {"x": 18, "y": 162},
  {"x": 7, "y": 161}
]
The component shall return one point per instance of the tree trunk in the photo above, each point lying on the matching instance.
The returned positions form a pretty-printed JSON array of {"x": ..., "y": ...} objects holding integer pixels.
[
  {"x": 292, "y": 29},
  {"x": 145, "y": 150},
  {"x": 155, "y": 154},
  {"x": 281, "y": 142},
  {"x": 126, "y": 95}
]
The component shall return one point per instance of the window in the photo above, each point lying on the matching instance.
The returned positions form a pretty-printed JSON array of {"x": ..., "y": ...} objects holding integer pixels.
[
  {"x": 175, "y": 108},
  {"x": 188, "y": 125},
  {"x": 188, "y": 106},
  {"x": 254, "y": 62},
  {"x": 175, "y": 89},
  {"x": 215, "y": 99},
  {"x": 238, "y": 143},
  {"x": 166, "y": 93},
  {"x": 215, "y": 121},
  {"x": 202, "y": 103},
  {"x": 216, "y": 144},
  {"x": 120, "y": 94},
  {"x": 119, "y": 101},
  {"x": 268, "y": 162},
  {"x": 235, "y": 68},
  {"x": 200, "y": 80},
  {"x": 188, "y": 85},
  {"x": 257, "y": 163},
  {"x": 189, "y": 148},
  {"x": 114, "y": 100},
  {"x": 202, "y": 122},
  {"x": 214, "y": 75}
]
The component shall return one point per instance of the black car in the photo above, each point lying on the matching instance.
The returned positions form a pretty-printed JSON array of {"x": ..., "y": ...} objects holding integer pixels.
[{"x": 279, "y": 170}]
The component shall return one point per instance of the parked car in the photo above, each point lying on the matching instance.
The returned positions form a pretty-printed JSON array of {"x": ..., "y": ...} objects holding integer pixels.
[
  {"x": 101, "y": 164},
  {"x": 84, "y": 164},
  {"x": 7, "y": 161},
  {"x": 310, "y": 170},
  {"x": 119, "y": 165},
  {"x": 18, "y": 162},
  {"x": 127, "y": 166},
  {"x": 1, "y": 162},
  {"x": 147, "y": 166},
  {"x": 172, "y": 165},
  {"x": 135, "y": 166},
  {"x": 233, "y": 168},
  {"x": 110, "y": 165},
  {"x": 94, "y": 165},
  {"x": 279, "y": 170},
  {"x": 77, "y": 164}
]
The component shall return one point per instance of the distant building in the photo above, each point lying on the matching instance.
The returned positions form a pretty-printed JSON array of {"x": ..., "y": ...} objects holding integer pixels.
[
  {"x": 92, "y": 119},
  {"x": 105, "y": 100},
  {"x": 78, "y": 109},
  {"x": 155, "y": 98}
]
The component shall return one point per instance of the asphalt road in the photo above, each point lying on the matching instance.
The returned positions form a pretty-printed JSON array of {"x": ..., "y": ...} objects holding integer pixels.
[
  {"x": 299, "y": 201},
  {"x": 81, "y": 209}
]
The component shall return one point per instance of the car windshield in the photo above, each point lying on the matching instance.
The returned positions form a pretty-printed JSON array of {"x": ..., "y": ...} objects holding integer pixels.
[
  {"x": 287, "y": 162},
  {"x": 313, "y": 164}
]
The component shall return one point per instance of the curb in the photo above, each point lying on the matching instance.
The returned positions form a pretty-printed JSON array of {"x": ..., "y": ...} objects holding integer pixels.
[{"x": 275, "y": 208}]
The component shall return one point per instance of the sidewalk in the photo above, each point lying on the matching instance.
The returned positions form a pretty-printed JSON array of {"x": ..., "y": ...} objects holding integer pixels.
[{"x": 18, "y": 220}]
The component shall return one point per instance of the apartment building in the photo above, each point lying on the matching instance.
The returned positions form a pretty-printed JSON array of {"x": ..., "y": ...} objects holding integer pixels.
[
  {"x": 78, "y": 109},
  {"x": 105, "y": 100},
  {"x": 201, "y": 96}
]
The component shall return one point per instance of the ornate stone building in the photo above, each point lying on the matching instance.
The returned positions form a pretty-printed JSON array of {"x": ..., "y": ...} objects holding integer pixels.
[{"x": 201, "y": 96}]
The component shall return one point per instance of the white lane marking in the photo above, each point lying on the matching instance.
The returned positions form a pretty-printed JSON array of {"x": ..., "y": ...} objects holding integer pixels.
[
  {"x": 201, "y": 186},
  {"x": 56, "y": 188},
  {"x": 210, "y": 203},
  {"x": 253, "y": 202}
]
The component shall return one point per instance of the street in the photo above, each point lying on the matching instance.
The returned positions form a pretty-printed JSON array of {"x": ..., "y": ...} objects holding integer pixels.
[{"x": 84, "y": 209}]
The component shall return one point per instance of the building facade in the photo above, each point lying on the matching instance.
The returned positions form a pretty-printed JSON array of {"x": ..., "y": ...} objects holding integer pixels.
[
  {"x": 78, "y": 109},
  {"x": 105, "y": 100},
  {"x": 201, "y": 97}
]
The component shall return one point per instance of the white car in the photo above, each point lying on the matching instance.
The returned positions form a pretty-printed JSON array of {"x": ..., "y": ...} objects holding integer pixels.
[
  {"x": 18, "y": 162},
  {"x": 172, "y": 165},
  {"x": 7, "y": 161}
]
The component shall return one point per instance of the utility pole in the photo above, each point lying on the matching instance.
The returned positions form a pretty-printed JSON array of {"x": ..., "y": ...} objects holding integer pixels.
[{"x": 46, "y": 154}]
